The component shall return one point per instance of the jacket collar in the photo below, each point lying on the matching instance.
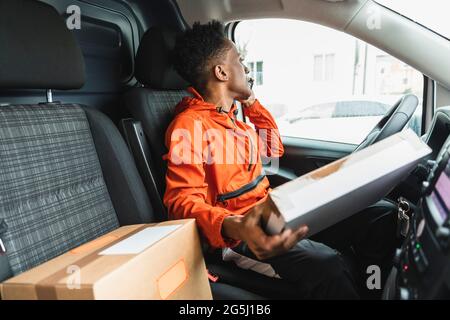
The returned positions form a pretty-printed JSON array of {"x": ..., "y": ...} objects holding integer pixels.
[{"x": 197, "y": 96}]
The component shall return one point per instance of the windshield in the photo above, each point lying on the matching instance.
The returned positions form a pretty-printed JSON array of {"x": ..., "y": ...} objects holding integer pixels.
[{"x": 432, "y": 14}]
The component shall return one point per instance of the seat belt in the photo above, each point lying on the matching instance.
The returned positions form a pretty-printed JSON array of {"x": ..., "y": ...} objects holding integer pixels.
[
  {"x": 139, "y": 147},
  {"x": 5, "y": 267}
]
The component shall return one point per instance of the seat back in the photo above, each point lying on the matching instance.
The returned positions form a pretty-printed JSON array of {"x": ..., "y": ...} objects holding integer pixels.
[
  {"x": 155, "y": 110},
  {"x": 53, "y": 195},
  {"x": 154, "y": 102},
  {"x": 58, "y": 185}
]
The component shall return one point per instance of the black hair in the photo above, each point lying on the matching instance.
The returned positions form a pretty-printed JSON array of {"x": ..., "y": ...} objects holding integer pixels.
[{"x": 196, "y": 48}]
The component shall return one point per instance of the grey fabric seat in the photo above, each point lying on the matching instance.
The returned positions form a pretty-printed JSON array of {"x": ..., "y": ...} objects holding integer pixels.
[
  {"x": 56, "y": 191},
  {"x": 66, "y": 176},
  {"x": 153, "y": 105}
]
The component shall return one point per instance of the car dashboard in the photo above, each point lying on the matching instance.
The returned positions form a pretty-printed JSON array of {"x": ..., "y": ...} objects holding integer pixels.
[{"x": 422, "y": 264}]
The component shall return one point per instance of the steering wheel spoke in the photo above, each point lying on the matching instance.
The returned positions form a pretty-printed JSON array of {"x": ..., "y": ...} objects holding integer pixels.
[{"x": 392, "y": 122}]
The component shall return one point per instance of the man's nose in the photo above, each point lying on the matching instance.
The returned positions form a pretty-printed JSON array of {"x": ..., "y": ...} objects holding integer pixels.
[{"x": 246, "y": 69}]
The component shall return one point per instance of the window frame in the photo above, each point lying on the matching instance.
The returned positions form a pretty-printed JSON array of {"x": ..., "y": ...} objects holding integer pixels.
[{"x": 411, "y": 19}]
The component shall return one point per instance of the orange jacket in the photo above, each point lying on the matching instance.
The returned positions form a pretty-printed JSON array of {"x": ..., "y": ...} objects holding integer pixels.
[{"x": 203, "y": 170}]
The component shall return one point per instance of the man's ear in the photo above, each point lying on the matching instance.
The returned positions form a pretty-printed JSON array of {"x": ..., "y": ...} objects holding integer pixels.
[{"x": 221, "y": 73}]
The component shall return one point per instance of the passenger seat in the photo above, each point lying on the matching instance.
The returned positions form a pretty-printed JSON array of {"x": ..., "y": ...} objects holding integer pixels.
[{"x": 66, "y": 175}]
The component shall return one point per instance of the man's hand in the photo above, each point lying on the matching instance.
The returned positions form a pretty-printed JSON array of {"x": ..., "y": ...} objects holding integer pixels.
[
  {"x": 249, "y": 101},
  {"x": 248, "y": 228}
]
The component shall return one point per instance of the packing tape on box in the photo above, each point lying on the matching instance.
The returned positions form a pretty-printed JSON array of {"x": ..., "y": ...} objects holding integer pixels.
[{"x": 100, "y": 242}]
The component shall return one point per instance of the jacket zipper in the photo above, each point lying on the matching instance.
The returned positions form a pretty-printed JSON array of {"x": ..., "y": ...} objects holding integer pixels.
[
  {"x": 234, "y": 123},
  {"x": 242, "y": 190},
  {"x": 250, "y": 146},
  {"x": 251, "y": 152}
]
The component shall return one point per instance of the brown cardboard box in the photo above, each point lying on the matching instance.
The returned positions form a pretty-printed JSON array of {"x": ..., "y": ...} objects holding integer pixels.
[
  {"x": 149, "y": 261},
  {"x": 342, "y": 188}
]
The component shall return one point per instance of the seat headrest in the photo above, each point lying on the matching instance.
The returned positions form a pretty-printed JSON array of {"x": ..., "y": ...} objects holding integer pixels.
[
  {"x": 153, "y": 66},
  {"x": 37, "y": 49}
]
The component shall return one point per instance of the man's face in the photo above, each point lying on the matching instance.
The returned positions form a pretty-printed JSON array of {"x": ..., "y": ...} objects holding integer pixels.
[{"x": 237, "y": 74}]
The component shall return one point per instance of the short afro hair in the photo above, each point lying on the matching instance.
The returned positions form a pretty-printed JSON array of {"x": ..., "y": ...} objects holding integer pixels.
[{"x": 196, "y": 48}]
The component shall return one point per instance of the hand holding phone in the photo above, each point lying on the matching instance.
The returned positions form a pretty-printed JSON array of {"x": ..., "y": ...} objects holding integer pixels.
[{"x": 251, "y": 99}]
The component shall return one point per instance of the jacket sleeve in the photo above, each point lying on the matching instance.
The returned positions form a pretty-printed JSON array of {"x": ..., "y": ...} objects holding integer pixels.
[
  {"x": 267, "y": 130},
  {"x": 186, "y": 187}
]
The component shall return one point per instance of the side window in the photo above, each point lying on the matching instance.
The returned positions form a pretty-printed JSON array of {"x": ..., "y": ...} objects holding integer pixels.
[{"x": 323, "y": 84}]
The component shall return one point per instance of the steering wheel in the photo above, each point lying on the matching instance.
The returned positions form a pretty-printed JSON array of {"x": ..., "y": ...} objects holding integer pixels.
[{"x": 392, "y": 122}]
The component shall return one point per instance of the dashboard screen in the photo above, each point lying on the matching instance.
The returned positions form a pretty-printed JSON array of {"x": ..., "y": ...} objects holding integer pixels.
[{"x": 441, "y": 193}]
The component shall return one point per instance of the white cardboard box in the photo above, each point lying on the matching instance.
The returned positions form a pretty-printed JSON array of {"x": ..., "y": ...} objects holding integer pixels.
[{"x": 338, "y": 190}]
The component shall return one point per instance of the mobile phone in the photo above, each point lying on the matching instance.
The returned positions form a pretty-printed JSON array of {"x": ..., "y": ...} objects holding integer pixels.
[{"x": 250, "y": 82}]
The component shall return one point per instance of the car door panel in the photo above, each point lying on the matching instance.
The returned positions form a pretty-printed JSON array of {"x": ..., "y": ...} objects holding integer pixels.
[{"x": 304, "y": 155}]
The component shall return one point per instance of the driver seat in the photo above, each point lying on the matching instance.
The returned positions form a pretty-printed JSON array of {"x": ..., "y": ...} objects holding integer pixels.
[{"x": 153, "y": 103}]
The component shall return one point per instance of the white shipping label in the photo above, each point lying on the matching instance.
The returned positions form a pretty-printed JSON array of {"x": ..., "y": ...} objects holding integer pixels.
[{"x": 140, "y": 241}]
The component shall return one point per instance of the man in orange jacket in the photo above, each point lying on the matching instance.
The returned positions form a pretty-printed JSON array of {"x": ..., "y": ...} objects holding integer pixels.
[{"x": 215, "y": 173}]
